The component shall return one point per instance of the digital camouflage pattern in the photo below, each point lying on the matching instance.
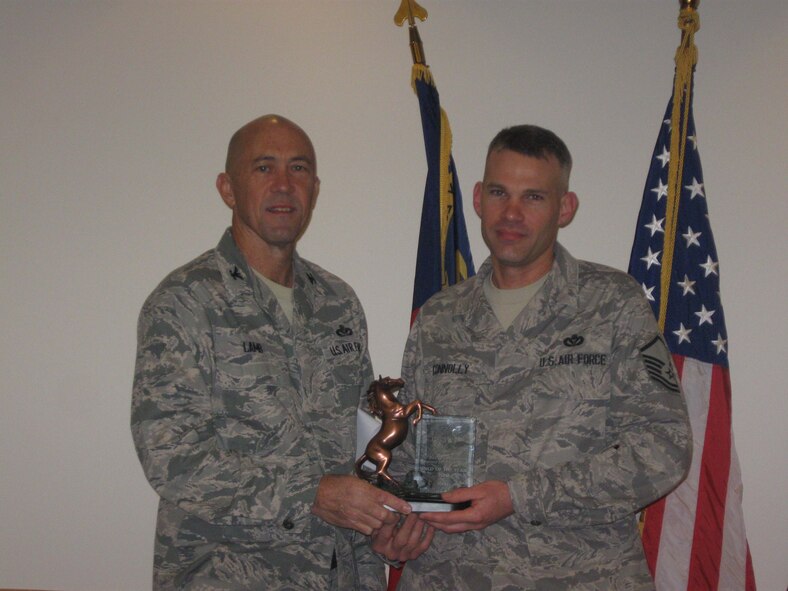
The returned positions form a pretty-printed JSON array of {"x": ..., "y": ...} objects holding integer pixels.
[
  {"x": 570, "y": 416},
  {"x": 236, "y": 415}
]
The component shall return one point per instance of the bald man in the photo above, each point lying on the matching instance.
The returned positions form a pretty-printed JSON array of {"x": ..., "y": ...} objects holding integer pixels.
[{"x": 251, "y": 363}]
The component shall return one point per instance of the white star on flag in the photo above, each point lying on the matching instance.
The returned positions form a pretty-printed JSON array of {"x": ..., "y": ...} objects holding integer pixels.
[
  {"x": 655, "y": 225},
  {"x": 710, "y": 267},
  {"x": 651, "y": 258},
  {"x": 682, "y": 333},
  {"x": 661, "y": 190},
  {"x": 686, "y": 285},
  {"x": 664, "y": 157},
  {"x": 720, "y": 343},
  {"x": 695, "y": 188},
  {"x": 691, "y": 237},
  {"x": 704, "y": 315},
  {"x": 648, "y": 291}
]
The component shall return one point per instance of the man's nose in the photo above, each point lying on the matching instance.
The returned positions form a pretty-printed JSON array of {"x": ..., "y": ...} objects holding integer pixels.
[
  {"x": 283, "y": 182},
  {"x": 512, "y": 210}
]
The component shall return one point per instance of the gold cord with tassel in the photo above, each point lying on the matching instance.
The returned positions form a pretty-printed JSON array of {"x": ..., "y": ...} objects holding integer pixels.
[{"x": 686, "y": 58}]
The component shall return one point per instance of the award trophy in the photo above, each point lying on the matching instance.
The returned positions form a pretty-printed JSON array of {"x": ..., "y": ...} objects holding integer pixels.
[{"x": 445, "y": 448}]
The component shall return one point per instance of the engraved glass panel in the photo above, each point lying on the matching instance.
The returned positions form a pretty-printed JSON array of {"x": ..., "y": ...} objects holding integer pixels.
[{"x": 445, "y": 447}]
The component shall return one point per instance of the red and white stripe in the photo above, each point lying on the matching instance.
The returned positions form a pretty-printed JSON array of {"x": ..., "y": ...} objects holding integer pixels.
[{"x": 694, "y": 538}]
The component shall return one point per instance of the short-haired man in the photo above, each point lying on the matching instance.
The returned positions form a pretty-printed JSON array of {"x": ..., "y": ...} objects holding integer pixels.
[{"x": 581, "y": 419}]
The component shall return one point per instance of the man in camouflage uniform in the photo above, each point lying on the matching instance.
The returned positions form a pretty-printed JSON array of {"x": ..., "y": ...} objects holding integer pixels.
[
  {"x": 581, "y": 419},
  {"x": 251, "y": 363}
]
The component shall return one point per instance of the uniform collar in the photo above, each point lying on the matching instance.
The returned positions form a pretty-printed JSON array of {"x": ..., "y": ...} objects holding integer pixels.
[
  {"x": 559, "y": 292},
  {"x": 561, "y": 287},
  {"x": 240, "y": 281}
]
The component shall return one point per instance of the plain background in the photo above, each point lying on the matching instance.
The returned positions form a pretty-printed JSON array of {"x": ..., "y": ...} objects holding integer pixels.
[{"x": 114, "y": 119}]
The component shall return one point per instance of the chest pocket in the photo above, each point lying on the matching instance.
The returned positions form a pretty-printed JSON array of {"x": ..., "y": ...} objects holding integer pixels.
[
  {"x": 335, "y": 376},
  {"x": 570, "y": 403},
  {"x": 251, "y": 395},
  {"x": 456, "y": 383}
]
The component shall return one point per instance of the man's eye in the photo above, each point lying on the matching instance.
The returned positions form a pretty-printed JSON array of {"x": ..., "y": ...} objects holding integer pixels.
[
  {"x": 535, "y": 197},
  {"x": 496, "y": 192},
  {"x": 263, "y": 168}
]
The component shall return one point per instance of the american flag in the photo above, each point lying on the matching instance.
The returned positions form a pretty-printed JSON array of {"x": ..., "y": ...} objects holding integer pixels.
[{"x": 694, "y": 538}]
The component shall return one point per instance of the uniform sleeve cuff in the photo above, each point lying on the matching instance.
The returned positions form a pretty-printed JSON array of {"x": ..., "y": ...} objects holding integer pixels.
[
  {"x": 527, "y": 499},
  {"x": 391, "y": 563}
]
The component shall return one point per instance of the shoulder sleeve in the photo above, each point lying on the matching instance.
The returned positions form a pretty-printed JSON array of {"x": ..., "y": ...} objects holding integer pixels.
[{"x": 648, "y": 445}]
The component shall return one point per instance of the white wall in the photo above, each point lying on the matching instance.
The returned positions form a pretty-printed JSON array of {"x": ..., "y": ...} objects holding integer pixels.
[{"x": 114, "y": 117}]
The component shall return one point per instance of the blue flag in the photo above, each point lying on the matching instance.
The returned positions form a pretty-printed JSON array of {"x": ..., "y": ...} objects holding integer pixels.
[{"x": 444, "y": 254}]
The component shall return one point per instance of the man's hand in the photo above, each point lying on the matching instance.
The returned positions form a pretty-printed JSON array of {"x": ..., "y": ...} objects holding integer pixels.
[
  {"x": 403, "y": 541},
  {"x": 348, "y": 501},
  {"x": 490, "y": 502}
]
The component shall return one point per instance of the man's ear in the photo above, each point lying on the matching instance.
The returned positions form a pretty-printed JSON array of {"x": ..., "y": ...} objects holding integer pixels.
[
  {"x": 317, "y": 192},
  {"x": 569, "y": 205},
  {"x": 225, "y": 188},
  {"x": 477, "y": 198}
]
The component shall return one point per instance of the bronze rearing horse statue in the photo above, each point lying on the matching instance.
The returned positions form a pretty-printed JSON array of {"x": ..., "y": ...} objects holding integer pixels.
[{"x": 384, "y": 404}]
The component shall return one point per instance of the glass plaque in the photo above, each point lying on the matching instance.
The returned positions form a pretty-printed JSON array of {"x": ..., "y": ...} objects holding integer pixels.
[{"x": 445, "y": 447}]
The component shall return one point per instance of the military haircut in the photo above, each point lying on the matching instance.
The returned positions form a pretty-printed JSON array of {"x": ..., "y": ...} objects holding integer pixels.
[{"x": 535, "y": 142}]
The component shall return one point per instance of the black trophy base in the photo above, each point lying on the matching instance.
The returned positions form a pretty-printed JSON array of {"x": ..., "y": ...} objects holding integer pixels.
[
  {"x": 419, "y": 501},
  {"x": 432, "y": 502}
]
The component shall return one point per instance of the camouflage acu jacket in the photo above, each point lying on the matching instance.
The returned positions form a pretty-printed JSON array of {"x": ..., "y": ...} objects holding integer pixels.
[
  {"x": 580, "y": 413},
  {"x": 236, "y": 415}
]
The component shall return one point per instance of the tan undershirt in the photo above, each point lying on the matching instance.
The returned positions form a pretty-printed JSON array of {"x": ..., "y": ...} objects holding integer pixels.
[
  {"x": 283, "y": 295},
  {"x": 508, "y": 303}
]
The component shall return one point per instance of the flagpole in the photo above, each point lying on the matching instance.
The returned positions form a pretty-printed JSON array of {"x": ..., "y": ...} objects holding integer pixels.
[{"x": 409, "y": 10}]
